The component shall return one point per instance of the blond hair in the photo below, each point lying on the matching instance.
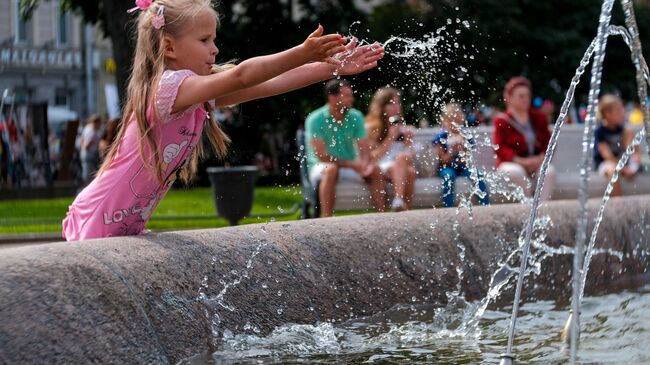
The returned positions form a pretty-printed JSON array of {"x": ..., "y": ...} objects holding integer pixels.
[
  {"x": 451, "y": 112},
  {"x": 376, "y": 119},
  {"x": 148, "y": 67},
  {"x": 607, "y": 102}
]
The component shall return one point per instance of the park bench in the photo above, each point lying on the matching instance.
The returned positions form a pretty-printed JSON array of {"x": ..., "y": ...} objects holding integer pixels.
[{"x": 566, "y": 159}]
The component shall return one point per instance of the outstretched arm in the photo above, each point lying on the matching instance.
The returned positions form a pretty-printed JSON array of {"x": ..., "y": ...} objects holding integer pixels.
[
  {"x": 353, "y": 60},
  {"x": 199, "y": 89}
]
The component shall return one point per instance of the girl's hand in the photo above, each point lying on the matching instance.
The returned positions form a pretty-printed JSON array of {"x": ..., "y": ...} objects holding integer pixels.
[
  {"x": 354, "y": 60},
  {"x": 321, "y": 48}
]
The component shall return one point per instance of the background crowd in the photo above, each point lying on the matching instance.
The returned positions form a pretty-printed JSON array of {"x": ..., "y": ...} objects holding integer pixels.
[{"x": 480, "y": 45}]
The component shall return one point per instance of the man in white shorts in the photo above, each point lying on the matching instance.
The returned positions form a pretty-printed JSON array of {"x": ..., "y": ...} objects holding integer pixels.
[{"x": 337, "y": 148}]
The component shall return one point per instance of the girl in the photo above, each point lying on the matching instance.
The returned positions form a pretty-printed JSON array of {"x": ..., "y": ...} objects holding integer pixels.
[
  {"x": 451, "y": 148},
  {"x": 391, "y": 144},
  {"x": 170, "y": 96},
  {"x": 612, "y": 138}
]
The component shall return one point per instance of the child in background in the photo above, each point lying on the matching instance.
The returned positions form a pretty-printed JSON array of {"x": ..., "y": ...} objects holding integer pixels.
[
  {"x": 171, "y": 94},
  {"x": 612, "y": 139},
  {"x": 452, "y": 152}
]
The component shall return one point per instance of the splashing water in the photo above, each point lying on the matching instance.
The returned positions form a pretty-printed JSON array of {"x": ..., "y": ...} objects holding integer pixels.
[
  {"x": 213, "y": 303},
  {"x": 424, "y": 58},
  {"x": 421, "y": 63},
  {"x": 597, "y": 47},
  {"x": 592, "y": 241}
]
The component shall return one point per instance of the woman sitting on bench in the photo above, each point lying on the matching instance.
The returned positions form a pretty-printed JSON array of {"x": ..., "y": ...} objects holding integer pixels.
[
  {"x": 522, "y": 136},
  {"x": 391, "y": 145}
]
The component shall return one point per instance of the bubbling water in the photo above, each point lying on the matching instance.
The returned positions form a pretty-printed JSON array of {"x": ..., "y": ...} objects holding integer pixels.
[{"x": 424, "y": 60}]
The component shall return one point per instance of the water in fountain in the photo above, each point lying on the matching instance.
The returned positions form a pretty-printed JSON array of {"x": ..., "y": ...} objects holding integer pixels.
[
  {"x": 608, "y": 191},
  {"x": 324, "y": 338},
  {"x": 597, "y": 47}
]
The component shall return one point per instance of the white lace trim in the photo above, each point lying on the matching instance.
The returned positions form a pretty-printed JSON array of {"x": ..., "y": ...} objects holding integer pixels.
[{"x": 166, "y": 95}]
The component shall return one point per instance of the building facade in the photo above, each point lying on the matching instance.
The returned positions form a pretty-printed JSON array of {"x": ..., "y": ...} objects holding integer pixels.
[{"x": 52, "y": 58}]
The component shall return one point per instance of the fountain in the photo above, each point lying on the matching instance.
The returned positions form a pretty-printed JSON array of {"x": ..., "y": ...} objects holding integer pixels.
[
  {"x": 368, "y": 288},
  {"x": 143, "y": 299},
  {"x": 597, "y": 48}
]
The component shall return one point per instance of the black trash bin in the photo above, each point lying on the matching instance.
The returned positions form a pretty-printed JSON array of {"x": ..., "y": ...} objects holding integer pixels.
[{"x": 232, "y": 190}]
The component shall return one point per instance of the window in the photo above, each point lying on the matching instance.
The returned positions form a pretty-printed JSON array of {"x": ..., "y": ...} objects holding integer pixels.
[
  {"x": 63, "y": 35},
  {"x": 23, "y": 28},
  {"x": 22, "y": 95},
  {"x": 61, "y": 97}
]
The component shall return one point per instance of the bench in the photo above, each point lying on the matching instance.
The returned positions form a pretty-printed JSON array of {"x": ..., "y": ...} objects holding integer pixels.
[{"x": 566, "y": 159}]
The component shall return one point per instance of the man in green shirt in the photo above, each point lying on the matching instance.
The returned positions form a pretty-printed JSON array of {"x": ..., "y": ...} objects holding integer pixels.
[{"x": 337, "y": 147}]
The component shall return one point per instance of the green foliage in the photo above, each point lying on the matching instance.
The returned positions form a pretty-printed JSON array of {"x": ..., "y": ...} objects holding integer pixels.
[{"x": 541, "y": 39}]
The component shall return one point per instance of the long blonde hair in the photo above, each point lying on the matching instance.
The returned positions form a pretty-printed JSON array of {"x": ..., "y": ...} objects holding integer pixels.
[
  {"x": 376, "y": 119},
  {"x": 148, "y": 67}
]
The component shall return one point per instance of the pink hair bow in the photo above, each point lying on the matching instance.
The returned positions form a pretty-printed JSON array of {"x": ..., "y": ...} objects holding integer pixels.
[
  {"x": 141, "y": 4},
  {"x": 158, "y": 21}
]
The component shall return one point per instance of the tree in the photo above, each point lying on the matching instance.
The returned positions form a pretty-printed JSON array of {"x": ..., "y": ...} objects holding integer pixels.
[
  {"x": 484, "y": 43},
  {"x": 543, "y": 40}
]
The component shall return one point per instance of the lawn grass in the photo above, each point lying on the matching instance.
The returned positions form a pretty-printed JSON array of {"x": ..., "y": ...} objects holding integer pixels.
[{"x": 45, "y": 215}]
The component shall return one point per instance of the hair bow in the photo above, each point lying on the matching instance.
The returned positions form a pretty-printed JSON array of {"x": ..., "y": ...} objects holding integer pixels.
[
  {"x": 141, "y": 4},
  {"x": 158, "y": 20}
]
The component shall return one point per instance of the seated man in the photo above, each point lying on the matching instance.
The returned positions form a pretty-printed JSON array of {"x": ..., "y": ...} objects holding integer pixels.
[{"x": 337, "y": 147}]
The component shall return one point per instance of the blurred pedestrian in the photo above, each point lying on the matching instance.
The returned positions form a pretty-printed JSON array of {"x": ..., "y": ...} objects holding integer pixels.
[
  {"x": 89, "y": 147},
  {"x": 338, "y": 148},
  {"x": 108, "y": 137}
]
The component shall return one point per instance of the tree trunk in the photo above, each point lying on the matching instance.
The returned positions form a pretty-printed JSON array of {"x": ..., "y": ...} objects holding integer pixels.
[{"x": 122, "y": 32}]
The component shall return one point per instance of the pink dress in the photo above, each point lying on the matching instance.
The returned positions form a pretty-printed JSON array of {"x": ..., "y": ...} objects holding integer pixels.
[{"x": 119, "y": 202}]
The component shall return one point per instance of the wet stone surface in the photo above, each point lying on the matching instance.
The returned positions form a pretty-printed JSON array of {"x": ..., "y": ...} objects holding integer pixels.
[{"x": 159, "y": 298}]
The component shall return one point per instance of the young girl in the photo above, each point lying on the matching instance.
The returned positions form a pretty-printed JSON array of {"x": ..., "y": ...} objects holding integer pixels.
[
  {"x": 450, "y": 145},
  {"x": 170, "y": 96},
  {"x": 391, "y": 144},
  {"x": 612, "y": 138}
]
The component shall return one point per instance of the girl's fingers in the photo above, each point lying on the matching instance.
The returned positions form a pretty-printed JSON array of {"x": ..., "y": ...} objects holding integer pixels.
[
  {"x": 332, "y": 61},
  {"x": 353, "y": 43},
  {"x": 317, "y": 33},
  {"x": 375, "y": 56},
  {"x": 331, "y": 38},
  {"x": 370, "y": 65},
  {"x": 335, "y": 50},
  {"x": 331, "y": 44}
]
